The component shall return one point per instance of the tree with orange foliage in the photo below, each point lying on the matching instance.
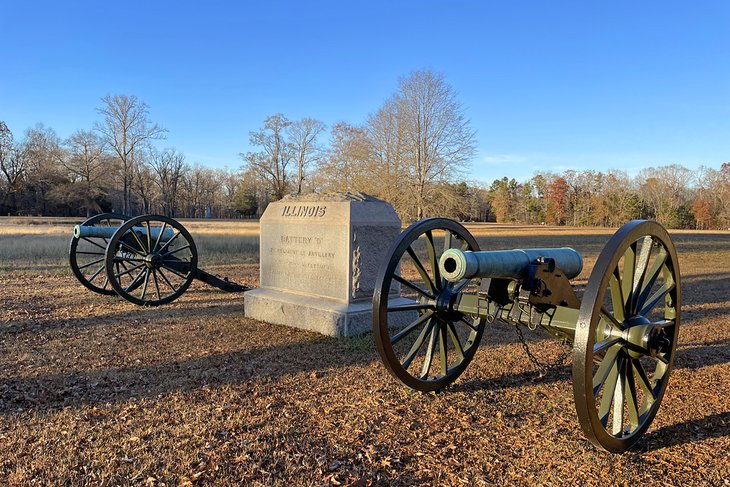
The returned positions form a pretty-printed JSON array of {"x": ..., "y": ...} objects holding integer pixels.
[{"x": 557, "y": 201}]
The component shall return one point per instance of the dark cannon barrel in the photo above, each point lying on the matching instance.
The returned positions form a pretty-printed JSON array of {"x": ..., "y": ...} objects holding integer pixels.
[{"x": 456, "y": 264}]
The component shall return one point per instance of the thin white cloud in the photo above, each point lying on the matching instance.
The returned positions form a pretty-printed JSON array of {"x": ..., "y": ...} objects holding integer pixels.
[{"x": 504, "y": 158}]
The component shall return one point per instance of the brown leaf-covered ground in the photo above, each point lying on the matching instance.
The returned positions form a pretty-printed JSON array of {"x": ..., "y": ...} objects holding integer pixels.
[{"x": 94, "y": 390}]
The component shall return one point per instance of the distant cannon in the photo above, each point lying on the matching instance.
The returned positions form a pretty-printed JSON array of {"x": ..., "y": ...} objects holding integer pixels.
[
  {"x": 148, "y": 260},
  {"x": 623, "y": 331}
]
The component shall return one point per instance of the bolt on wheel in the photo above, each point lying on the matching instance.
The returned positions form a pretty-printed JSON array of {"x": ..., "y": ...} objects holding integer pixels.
[
  {"x": 626, "y": 335},
  {"x": 422, "y": 340}
]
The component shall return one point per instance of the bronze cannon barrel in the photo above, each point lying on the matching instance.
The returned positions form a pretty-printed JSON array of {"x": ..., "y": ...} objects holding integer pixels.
[{"x": 456, "y": 264}]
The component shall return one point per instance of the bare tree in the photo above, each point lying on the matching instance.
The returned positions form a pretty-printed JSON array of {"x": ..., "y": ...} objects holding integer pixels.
[
  {"x": 388, "y": 145},
  {"x": 169, "y": 166},
  {"x": 303, "y": 135},
  {"x": 666, "y": 189},
  {"x": 126, "y": 128},
  {"x": 272, "y": 162},
  {"x": 88, "y": 166},
  {"x": 348, "y": 163},
  {"x": 12, "y": 165},
  {"x": 434, "y": 139}
]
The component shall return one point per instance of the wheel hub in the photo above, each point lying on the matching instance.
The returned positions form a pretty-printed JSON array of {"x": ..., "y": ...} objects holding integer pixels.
[
  {"x": 445, "y": 306},
  {"x": 152, "y": 261},
  {"x": 644, "y": 337}
]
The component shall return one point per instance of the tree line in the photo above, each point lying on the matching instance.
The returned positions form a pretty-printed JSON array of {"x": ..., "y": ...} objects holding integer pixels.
[
  {"x": 112, "y": 167},
  {"x": 414, "y": 151}
]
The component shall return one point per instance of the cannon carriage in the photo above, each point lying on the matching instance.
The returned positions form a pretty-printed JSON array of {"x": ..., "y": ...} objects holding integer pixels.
[
  {"x": 437, "y": 291},
  {"x": 149, "y": 260}
]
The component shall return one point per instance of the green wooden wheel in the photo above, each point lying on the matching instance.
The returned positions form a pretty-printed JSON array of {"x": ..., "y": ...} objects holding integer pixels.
[
  {"x": 422, "y": 341},
  {"x": 626, "y": 335}
]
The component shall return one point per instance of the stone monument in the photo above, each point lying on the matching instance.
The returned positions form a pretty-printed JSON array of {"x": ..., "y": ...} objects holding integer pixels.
[{"x": 319, "y": 258}]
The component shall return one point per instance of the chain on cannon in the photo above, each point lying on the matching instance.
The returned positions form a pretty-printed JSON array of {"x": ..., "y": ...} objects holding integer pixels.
[
  {"x": 148, "y": 260},
  {"x": 437, "y": 291}
]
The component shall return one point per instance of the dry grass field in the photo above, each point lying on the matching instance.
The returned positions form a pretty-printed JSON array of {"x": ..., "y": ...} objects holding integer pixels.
[{"x": 97, "y": 391}]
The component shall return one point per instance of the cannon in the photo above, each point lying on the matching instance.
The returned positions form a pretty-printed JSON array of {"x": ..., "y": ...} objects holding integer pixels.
[
  {"x": 148, "y": 260},
  {"x": 437, "y": 291}
]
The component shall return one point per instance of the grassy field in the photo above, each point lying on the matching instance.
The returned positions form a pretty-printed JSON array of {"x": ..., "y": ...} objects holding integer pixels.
[
  {"x": 30, "y": 244},
  {"x": 97, "y": 391}
]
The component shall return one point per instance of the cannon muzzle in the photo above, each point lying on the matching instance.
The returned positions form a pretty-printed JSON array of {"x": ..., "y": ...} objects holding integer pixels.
[{"x": 456, "y": 264}]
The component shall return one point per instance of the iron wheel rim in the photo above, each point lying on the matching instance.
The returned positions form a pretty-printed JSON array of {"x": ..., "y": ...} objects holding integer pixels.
[{"x": 630, "y": 395}]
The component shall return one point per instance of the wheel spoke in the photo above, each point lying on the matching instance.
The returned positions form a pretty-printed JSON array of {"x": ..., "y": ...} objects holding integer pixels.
[
  {"x": 417, "y": 344},
  {"x": 78, "y": 252},
  {"x": 98, "y": 271},
  {"x": 167, "y": 244},
  {"x": 411, "y": 326},
  {"x": 641, "y": 266},
  {"x": 652, "y": 276},
  {"x": 604, "y": 369},
  {"x": 455, "y": 339},
  {"x": 131, "y": 249},
  {"x": 628, "y": 277},
  {"x": 601, "y": 346},
  {"x": 135, "y": 282},
  {"x": 421, "y": 270},
  {"x": 644, "y": 382},
  {"x": 617, "y": 296},
  {"x": 631, "y": 395},
  {"x": 136, "y": 237},
  {"x": 157, "y": 284},
  {"x": 176, "y": 250},
  {"x": 159, "y": 237},
  {"x": 443, "y": 344},
  {"x": 178, "y": 274},
  {"x": 409, "y": 307},
  {"x": 149, "y": 238},
  {"x": 618, "y": 401},
  {"x": 146, "y": 281},
  {"x": 127, "y": 271},
  {"x": 429, "y": 353},
  {"x": 167, "y": 281},
  {"x": 93, "y": 243},
  {"x": 461, "y": 285},
  {"x": 90, "y": 264},
  {"x": 409, "y": 284},
  {"x": 433, "y": 261},
  {"x": 656, "y": 297},
  {"x": 447, "y": 240},
  {"x": 607, "y": 314},
  {"x": 608, "y": 393},
  {"x": 474, "y": 328}
]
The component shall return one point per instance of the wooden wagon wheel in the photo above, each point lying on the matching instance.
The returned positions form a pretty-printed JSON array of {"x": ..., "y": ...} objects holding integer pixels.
[
  {"x": 151, "y": 260},
  {"x": 86, "y": 254},
  {"x": 423, "y": 344},
  {"x": 626, "y": 335}
]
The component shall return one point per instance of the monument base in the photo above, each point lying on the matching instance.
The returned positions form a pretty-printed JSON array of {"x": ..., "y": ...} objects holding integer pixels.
[{"x": 325, "y": 316}]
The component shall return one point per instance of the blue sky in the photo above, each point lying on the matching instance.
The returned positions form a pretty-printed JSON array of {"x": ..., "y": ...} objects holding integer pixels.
[{"x": 547, "y": 85}]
